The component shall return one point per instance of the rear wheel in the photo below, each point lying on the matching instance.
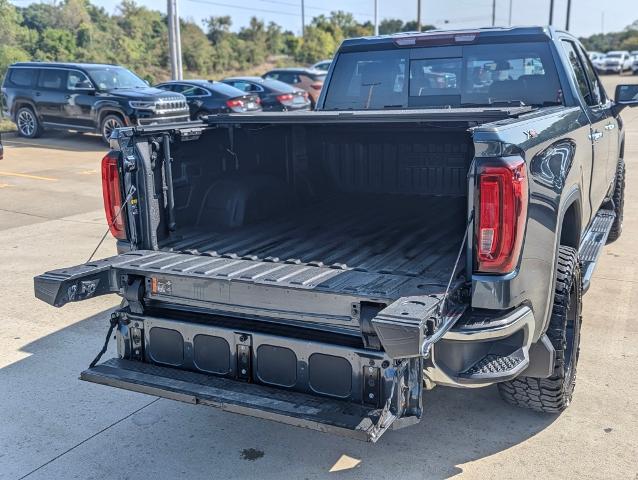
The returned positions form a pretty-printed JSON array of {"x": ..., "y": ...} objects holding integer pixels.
[
  {"x": 554, "y": 394},
  {"x": 28, "y": 123},
  {"x": 110, "y": 123},
  {"x": 619, "y": 202}
]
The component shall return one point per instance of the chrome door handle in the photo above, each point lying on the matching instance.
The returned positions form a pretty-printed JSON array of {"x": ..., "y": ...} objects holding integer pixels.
[
  {"x": 610, "y": 126},
  {"x": 595, "y": 135}
]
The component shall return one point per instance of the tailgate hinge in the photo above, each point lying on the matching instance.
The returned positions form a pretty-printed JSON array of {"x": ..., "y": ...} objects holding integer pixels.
[{"x": 134, "y": 293}]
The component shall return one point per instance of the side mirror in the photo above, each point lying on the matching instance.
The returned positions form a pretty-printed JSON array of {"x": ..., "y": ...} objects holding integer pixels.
[
  {"x": 84, "y": 85},
  {"x": 626, "y": 96}
]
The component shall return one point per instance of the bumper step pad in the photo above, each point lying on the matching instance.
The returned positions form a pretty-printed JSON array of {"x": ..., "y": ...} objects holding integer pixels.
[
  {"x": 500, "y": 366},
  {"x": 293, "y": 408}
]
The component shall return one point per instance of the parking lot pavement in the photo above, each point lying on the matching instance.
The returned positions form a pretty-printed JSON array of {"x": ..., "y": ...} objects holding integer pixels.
[{"x": 54, "y": 426}]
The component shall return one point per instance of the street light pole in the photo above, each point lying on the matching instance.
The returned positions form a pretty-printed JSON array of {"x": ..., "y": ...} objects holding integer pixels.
[
  {"x": 171, "y": 39},
  {"x": 418, "y": 15},
  {"x": 303, "y": 19},
  {"x": 178, "y": 42},
  {"x": 551, "y": 12},
  {"x": 493, "y": 12},
  {"x": 509, "y": 17},
  {"x": 376, "y": 17},
  {"x": 569, "y": 10}
]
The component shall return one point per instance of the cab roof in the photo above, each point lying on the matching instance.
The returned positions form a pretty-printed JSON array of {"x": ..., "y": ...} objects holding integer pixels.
[{"x": 478, "y": 35}]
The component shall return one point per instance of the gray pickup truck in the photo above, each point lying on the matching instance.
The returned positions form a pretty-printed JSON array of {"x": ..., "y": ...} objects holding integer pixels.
[{"x": 434, "y": 222}]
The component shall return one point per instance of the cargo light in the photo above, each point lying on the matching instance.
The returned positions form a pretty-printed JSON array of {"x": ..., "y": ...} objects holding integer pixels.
[
  {"x": 502, "y": 214},
  {"x": 112, "y": 195},
  {"x": 447, "y": 38}
]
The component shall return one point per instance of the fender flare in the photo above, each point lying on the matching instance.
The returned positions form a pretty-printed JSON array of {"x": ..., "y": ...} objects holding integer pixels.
[
  {"x": 20, "y": 102},
  {"x": 106, "y": 109}
]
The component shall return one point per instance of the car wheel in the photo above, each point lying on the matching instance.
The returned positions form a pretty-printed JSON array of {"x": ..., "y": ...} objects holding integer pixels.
[
  {"x": 28, "y": 123},
  {"x": 619, "y": 202},
  {"x": 110, "y": 123},
  {"x": 554, "y": 394}
]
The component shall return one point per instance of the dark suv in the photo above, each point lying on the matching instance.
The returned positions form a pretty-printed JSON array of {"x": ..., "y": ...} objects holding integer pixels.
[{"x": 84, "y": 97}]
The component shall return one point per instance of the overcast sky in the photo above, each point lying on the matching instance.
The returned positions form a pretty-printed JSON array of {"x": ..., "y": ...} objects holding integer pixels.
[{"x": 588, "y": 16}]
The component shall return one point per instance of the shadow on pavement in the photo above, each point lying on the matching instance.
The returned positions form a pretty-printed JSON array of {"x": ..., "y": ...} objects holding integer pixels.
[
  {"x": 47, "y": 411},
  {"x": 62, "y": 140}
]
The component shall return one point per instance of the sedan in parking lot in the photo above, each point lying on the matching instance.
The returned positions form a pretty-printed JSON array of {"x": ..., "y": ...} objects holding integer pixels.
[
  {"x": 274, "y": 95},
  {"x": 207, "y": 97},
  {"x": 306, "y": 78}
]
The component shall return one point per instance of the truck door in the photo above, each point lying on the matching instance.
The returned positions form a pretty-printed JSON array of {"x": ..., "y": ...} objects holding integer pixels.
[{"x": 599, "y": 118}]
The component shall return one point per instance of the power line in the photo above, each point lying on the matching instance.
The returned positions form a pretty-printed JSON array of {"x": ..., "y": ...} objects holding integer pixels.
[
  {"x": 261, "y": 10},
  {"x": 309, "y": 7}
]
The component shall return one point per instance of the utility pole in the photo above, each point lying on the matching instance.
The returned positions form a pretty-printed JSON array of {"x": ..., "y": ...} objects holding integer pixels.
[
  {"x": 509, "y": 17},
  {"x": 418, "y": 15},
  {"x": 602, "y": 22},
  {"x": 493, "y": 13},
  {"x": 174, "y": 40},
  {"x": 551, "y": 12},
  {"x": 569, "y": 11},
  {"x": 376, "y": 17},
  {"x": 178, "y": 43},
  {"x": 303, "y": 19}
]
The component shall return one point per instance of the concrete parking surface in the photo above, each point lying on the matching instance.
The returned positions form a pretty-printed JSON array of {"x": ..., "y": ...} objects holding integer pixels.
[{"x": 52, "y": 425}]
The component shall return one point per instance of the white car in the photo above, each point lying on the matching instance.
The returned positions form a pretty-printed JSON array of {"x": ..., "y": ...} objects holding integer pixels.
[
  {"x": 323, "y": 65},
  {"x": 634, "y": 64},
  {"x": 617, "y": 61},
  {"x": 596, "y": 58}
]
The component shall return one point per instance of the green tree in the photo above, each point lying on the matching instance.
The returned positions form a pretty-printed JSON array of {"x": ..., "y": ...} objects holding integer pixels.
[{"x": 13, "y": 36}]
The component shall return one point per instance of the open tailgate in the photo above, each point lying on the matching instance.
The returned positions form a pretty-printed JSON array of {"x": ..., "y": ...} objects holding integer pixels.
[{"x": 385, "y": 372}]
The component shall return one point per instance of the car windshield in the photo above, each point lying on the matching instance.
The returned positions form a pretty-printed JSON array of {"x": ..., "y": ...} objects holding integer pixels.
[
  {"x": 614, "y": 55},
  {"x": 113, "y": 78},
  {"x": 439, "y": 77}
]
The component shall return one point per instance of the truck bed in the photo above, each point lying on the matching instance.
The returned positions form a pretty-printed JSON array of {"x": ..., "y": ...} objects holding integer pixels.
[{"x": 394, "y": 248}]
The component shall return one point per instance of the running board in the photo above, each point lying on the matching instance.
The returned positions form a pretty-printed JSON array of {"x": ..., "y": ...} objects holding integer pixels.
[
  {"x": 593, "y": 243},
  {"x": 284, "y": 406}
]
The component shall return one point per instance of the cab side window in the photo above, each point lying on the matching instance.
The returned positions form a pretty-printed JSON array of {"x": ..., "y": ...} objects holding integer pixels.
[
  {"x": 52, "y": 78},
  {"x": 22, "y": 77},
  {"x": 596, "y": 87},
  {"x": 78, "y": 81},
  {"x": 578, "y": 73}
]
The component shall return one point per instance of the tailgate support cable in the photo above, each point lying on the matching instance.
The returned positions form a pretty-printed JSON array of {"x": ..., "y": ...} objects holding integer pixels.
[
  {"x": 448, "y": 318},
  {"x": 130, "y": 194}
]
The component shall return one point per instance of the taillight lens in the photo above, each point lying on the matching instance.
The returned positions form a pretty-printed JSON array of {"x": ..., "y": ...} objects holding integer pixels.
[
  {"x": 502, "y": 212},
  {"x": 235, "y": 103},
  {"x": 112, "y": 194},
  {"x": 316, "y": 86},
  {"x": 286, "y": 97}
]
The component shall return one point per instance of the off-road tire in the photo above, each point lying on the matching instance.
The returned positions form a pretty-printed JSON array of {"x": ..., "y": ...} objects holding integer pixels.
[
  {"x": 554, "y": 394},
  {"x": 619, "y": 202},
  {"x": 108, "y": 124},
  {"x": 28, "y": 123}
]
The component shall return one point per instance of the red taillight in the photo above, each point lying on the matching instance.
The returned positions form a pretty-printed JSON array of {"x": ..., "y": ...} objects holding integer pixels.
[
  {"x": 502, "y": 212},
  {"x": 316, "y": 86},
  {"x": 112, "y": 194},
  {"x": 235, "y": 103},
  {"x": 286, "y": 97},
  {"x": 257, "y": 100}
]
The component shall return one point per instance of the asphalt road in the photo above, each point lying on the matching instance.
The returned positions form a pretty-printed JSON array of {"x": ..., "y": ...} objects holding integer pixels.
[{"x": 54, "y": 426}]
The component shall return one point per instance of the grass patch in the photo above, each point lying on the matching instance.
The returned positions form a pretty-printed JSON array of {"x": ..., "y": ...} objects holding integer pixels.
[{"x": 7, "y": 125}]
